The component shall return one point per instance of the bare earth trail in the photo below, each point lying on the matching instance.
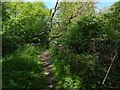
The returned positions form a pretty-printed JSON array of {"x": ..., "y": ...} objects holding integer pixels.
[{"x": 47, "y": 66}]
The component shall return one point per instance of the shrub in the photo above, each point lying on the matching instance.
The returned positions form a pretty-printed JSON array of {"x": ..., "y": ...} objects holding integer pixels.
[
  {"x": 23, "y": 27},
  {"x": 23, "y": 69}
]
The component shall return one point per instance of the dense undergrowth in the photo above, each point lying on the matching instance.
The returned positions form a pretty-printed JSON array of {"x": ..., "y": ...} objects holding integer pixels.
[
  {"x": 83, "y": 53},
  {"x": 82, "y": 45},
  {"x": 23, "y": 69},
  {"x": 21, "y": 66}
]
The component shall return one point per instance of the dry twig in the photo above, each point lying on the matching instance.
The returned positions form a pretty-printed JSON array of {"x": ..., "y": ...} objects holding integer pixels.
[{"x": 109, "y": 68}]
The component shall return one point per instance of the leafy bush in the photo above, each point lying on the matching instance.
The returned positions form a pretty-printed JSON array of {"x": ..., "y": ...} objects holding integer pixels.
[
  {"x": 86, "y": 51},
  {"x": 71, "y": 82},
  {"x": 23, "y": 69},
  {"x": 23, "y": 27}
]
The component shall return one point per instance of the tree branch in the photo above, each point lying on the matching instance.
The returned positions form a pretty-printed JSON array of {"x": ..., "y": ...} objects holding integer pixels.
[
  {"x": 77, "y": 13},
  {"x": 111, "y": 87},
  {"x": 55, "y": 9},
  {"x": 45, "y": 29},
  {"x": 109, "y": 68}
]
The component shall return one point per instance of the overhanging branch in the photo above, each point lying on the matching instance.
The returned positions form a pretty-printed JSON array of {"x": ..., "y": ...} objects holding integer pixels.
[{"x": 46, "y": 29}]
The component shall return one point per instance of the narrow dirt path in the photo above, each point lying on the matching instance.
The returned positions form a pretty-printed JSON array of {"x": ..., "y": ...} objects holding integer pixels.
[{"x": 47, "y": 65}]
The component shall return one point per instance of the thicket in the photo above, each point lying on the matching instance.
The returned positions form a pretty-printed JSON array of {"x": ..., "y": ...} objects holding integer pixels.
[
  {"x": 23, "y": 69},
  {"x": 87, "y": 50},
  {"x": 21, "y": 25},
  {"x": 84, "y": 45}
]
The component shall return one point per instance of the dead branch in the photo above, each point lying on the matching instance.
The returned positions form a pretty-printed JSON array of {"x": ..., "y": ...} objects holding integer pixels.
[
  {"x": 55, "y": 9},
  {"x": 56, "y": 36},
  {"x": 111, "y": 87},
  {"x": 45, "y": 29},
  {"x": 109, "y": 68}
]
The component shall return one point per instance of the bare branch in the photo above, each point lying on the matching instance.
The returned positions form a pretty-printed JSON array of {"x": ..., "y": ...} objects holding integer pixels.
[
  {"x": 45, "y": 29},
  {"x": 109, "y": 68},
  {"x": 55, "y": 9},
  {"x": 111, "y": 87},
  {"x": 56, "y": 36}
]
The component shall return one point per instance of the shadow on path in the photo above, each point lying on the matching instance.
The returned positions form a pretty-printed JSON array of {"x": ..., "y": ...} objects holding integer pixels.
[{"x": 47, "y": 65}]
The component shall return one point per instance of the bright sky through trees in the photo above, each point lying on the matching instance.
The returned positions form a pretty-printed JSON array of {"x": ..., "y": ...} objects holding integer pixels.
[{"x": 103, "y": 4}]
